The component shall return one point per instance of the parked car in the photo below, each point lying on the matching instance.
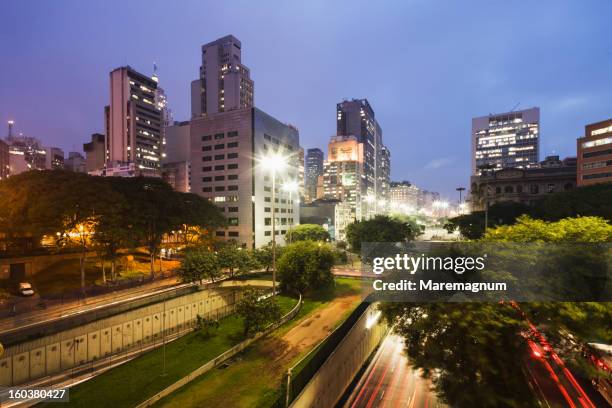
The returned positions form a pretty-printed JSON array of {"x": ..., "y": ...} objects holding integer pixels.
[{"x": 26, "y": 289}]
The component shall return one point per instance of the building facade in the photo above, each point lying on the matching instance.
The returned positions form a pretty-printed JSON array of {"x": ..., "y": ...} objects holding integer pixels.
[
  {"x": 595, "y": 154},
  {"x": 30, "y": 149},
  {"x": 313, "y": 168},
  {"x": 176, "y": 164},
  {"x": 75, "y": 162},
  {"x": 134, "y": 131},
  {"x": 54, "y": 158},
  {"x": 4, "y": 160},
  {"x": 356, "y": 118},
  {"x": 506, "y": 140},
  {"x": 95, "y": 153},
  {"x": 403, "y": 196},
  {"x": 344, "y": 175},
  {"x": 227, "y": 154},
  {"x": 524, "y": 186},
  {"x": 224, "y": 83}
]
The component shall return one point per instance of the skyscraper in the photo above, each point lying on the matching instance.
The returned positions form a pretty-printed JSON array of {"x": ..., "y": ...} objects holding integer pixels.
[
  {"x": 343, "y": 175},
  {"x": 313, "y": 169},
  {"x": 226, "y": 153},
  {"x": 506, "y": 140},
  {"x": 134, "y": 122},
  {"x": 224, "y": 82},
  {"x": 356, "y": 117}
]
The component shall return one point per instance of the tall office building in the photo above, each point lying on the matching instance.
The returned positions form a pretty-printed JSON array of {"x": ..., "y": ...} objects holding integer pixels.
[
  {"x": 313, "y": 169},
  {"x": 226, "y": 167},
  {"x": 300, "y": 166},
  {"x": 176, "y": 163},
  {"x": 595, "y": 154},
  {"x": 344, "y": 174},
  {"x": 4, "y": 160},
  {"x": 134, "y": 123},
  {"x": 356, "y": 117},
  {"x": 506, "y": 140},
  {"x": 224, "y": 83}
]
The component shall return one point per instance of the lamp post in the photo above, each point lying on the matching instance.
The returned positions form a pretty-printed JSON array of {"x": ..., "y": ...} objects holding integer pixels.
[
  {"x": 460, "y": 190},
  {"x": 274, "y": 163},
  {"x": 290, "y": 187}
]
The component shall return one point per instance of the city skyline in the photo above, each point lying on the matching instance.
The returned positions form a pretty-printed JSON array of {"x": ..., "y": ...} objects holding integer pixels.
[{"x": 303, "y": 73}]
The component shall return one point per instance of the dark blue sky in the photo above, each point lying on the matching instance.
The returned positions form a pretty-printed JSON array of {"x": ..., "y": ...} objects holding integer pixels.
[{"x": 426, "y": 66}]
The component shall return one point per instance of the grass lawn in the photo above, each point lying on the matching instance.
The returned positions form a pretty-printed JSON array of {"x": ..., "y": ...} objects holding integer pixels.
[
  {"x": 253, "y": 379},
  {"x": 133, "y": 382}
]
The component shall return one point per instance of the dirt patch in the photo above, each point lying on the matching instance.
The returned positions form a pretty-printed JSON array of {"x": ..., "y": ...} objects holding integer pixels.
[{"x": 315, "y": 328}]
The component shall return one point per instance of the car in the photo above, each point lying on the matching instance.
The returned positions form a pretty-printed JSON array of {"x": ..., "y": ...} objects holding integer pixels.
[{"x": 26, "y": 289}]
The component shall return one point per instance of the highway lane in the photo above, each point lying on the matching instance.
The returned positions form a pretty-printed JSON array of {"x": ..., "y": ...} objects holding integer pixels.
[{"x": 389, "y": 381}]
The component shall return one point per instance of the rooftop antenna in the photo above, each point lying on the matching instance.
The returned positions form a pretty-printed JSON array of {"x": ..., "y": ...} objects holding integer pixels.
[{"x": 155, "y": 77}]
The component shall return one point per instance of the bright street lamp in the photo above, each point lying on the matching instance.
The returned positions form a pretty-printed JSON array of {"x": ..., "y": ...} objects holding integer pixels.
[
  {"x": 274, "y": 163},
  {"x": 291, "y": 186}
]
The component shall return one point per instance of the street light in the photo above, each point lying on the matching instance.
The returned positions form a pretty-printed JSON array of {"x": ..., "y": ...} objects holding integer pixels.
[
  {"x": 290, "y": 187},
  {"x": 274, "y": 163},
  {"x": 460, "y": 190}
]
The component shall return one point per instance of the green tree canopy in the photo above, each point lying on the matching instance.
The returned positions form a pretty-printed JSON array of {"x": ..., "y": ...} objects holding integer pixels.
[
  {"x": 468, "y": 350},
  {"x": 235, "y": 259},
  {"x": 257, "y": 311},
  {"x": 198, "y": 264},
  {"x": 569, "y": 230},
  {"x": 305, "y": 265},
  {"x": 379, "y": 229},
  {"x": 310, "y": 232}
]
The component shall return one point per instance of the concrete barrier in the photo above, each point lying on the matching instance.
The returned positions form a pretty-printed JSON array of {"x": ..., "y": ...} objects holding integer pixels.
[
  {"x": 69, "y": 349},
  {"x": 330, "y": 382},
  {"x": 221, "y": 358}
]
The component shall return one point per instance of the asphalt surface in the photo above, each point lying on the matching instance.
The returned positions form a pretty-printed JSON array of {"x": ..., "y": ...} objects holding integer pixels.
[{"x": 389, "y": 381}]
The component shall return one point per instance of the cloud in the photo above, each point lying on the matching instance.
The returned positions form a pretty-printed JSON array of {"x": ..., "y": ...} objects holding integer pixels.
[
  {"x": 568, "y": 103},
  {"x": 438, "y": 163}
]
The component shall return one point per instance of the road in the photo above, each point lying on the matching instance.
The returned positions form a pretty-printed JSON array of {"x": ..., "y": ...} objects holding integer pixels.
[
  {"x": 553, "y": 382},
  {"x": 389, "y": 381},
  {"x": 76, "y": 307}
]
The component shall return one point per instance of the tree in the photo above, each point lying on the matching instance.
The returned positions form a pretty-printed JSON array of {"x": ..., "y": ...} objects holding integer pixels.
[
  {"x": 235, "y": 259},
  {"x": 468, "y": 351},
  {"x": 303, "y": 232},
  {"x": 198, "y": 264},
  {"x": 257, "y": 311},
  {"x": 379, "y": 229},
  {"x": 305, "y": 265},
  {"x": 570, "y": 230},
  {"x": 472, "y": 226},
  {"x": 263, "y": 256},
  {"x": 204, "y": 325},
  {"x": 156, "y": 209}
]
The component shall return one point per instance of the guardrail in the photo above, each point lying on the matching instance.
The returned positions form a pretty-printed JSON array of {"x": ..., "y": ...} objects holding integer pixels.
[{"x": 221, "y": 358}]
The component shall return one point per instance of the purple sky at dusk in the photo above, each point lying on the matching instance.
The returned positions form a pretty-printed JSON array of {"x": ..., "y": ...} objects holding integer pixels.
[{"x": 426, "y": 66}]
